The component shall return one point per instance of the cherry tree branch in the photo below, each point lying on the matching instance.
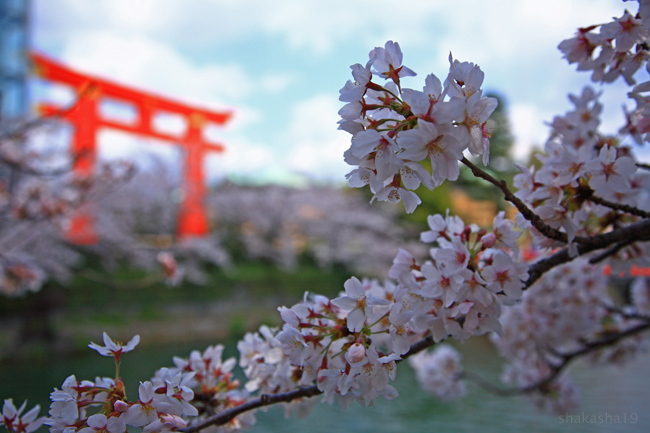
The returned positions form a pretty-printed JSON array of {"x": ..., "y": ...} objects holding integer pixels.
[
  {"x": 625, "y": 314},
  {"x": 565, "y": 360},
  {"x": 264, "y": 400},
  {"x": 531, "y": 216},
  {"x": 611, "y": 251},
  {"x": 286, "y": 397},
  {"x": 618, "y": 206},
  {"x": 643, "y": 166},
  {"x": 623, "y": 236},
  {"x": 537, "y": 221},
  {"x": 632, "y": 233}
]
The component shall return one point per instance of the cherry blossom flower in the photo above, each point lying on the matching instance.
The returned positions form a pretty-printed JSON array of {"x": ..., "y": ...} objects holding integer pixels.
[
  {"x": 14, "y": 421},
  {"x": 452, "y": 257},
  {"x": 464, "y": 79},
  {"x": 165, "y": 423},
  {"x": 580, "y": 48},
  {"x": 438, "y": 144},
  {"x": 627, "y": 31},
  {"x": 398, "y": 329},
  {"x": 354, "y": 91},
  {"x": 505, "y": 275},
  {"x": 358, "y": 305},
  {"x": 99, "y": 423},
  {"x": 609, "y": 173},
  {"x": 177, "y": 393},
  {"x": 395, "y": 194},
  {"x": 114, "y": 349},
  {"x": 145, "y": 411},
  {"x": 293, "y": 344},
  {"x": 442, "y": 282},
  {"x": 438, "y": 372},
  {"x": 557, "y": 216},
  {"x": 404, "y": 262},
  {"x": 388, "y": 62}
]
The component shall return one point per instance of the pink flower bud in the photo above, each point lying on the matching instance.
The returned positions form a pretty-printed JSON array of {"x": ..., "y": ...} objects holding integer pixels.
[
  {"x": 356, "y": 352},
  {"x": 489, "y": 240},
  {"x": 120, "y": 406},
  {"x": 174, "y": 421}
]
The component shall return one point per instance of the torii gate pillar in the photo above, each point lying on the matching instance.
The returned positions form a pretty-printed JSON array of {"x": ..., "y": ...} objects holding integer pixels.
[
  {"x": 83, "y": 147},
  {"x": 192, "y": 220}
]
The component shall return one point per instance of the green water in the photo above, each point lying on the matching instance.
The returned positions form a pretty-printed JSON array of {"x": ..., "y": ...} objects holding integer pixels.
[{"x": 610, "y": 393}]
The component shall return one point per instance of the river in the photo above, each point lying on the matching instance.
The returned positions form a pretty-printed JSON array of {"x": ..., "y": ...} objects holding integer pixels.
[{"x": 613, "y": 399}]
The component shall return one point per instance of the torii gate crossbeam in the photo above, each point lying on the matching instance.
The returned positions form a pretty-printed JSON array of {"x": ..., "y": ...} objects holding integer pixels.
[{"x": 86, "y": 118}]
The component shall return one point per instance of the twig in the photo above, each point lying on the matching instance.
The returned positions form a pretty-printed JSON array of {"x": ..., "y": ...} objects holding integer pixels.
[
  {"x": 24, "y": 127},
  {"x": 567, "y": 358},
  {"x": 531, "y": 216},
  {"x": 625, "y": 314},
  {"x": 611, "y": 251},
  {"x": 618, "y": 206}
]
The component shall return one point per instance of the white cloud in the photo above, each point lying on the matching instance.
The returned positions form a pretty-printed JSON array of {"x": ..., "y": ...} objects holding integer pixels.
[
  {"x": 315, "y": 146},
  {"x": 275, "y": 83},
  {"x": 147, "y": 64},
  {"x": 146, "y": 44},
  {"x": 528, "y": 129}
]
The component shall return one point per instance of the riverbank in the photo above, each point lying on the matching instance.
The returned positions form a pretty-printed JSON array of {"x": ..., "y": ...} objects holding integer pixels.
[{"x": 62, "y": 319}]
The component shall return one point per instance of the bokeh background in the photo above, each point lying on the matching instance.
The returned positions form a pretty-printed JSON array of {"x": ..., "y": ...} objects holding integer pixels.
[{"x": 282, "y": 220}]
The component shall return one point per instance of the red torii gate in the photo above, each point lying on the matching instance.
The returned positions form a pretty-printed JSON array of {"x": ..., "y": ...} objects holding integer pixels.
[{"x": 85, "y": 116}]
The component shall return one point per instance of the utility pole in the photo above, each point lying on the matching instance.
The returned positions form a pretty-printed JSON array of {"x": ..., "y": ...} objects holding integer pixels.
[{"x": 14, "y": 67}]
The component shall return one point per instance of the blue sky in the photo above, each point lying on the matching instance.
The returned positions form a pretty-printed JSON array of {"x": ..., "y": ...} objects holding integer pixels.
[{"x": 279, "y": 65}]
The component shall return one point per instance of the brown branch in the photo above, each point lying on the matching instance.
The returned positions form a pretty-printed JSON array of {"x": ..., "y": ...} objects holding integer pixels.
[
  {"x": 617, "y": 206},
  {"x": 24, "y": 127},
  {"x": 638, "y": 231},
  {"x": 264, "y": 400},
  {"x": 634, "y": 232},
  {"x": 531, "y": 216},
  {"x": 27, "y": 126},
  {"x": 625, "y": 314},
  {"x": 611, "y": 251},
  {"x": 643, "y": 166},
  {"x": 536, "y": 220}
]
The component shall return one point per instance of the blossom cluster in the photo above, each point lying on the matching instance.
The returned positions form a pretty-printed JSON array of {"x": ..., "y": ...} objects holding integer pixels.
[
  {"x": 213, "y": 385},
  {"x": 438, "y": 371},
  {"x": 162, "y": 402},
  {"x": 350, "y": 345},
  {"x": 584, "y": 173},
  {"x": 618, "y": 49},
  {"x": 567, "y": 309},
  {"x": 394, "y": 128}
]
